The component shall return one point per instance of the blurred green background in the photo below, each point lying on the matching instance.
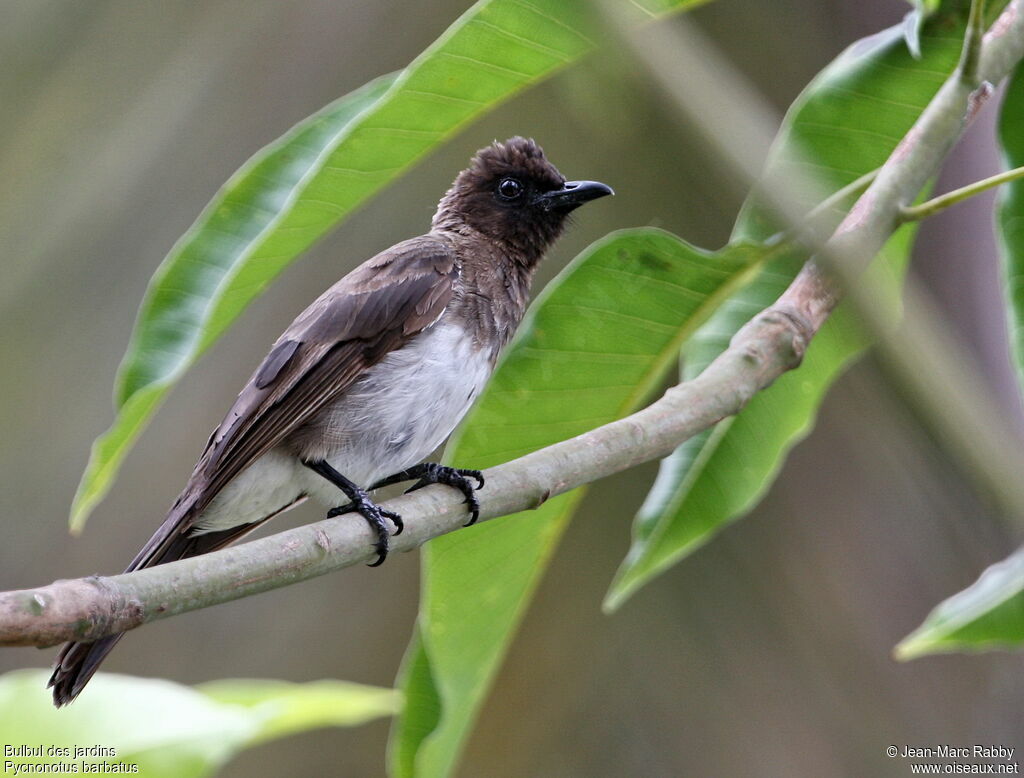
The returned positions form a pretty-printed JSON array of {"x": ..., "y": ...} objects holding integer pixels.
[{"x": 767, "y": 653}]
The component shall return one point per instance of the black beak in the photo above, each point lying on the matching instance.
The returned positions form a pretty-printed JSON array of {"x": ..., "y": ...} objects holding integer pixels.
[{"x": 572, "y": 195}]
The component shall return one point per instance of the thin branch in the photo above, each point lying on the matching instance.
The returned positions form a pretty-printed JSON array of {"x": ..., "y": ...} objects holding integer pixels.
[
  {"x": 769, "y": 345},
  {"x": 942, "y": 202}
]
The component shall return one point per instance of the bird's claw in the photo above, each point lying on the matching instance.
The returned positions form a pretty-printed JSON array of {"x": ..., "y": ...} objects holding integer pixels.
[
  {"x": 374, "y": 516},
  {"x": 456, "y": 478},
  {"x": 396, "y": 520}
]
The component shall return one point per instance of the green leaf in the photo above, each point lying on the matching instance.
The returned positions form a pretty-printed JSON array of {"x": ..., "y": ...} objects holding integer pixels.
[
  {"x": 283, "y": 708},
  {"x": 295, "y": 190},
  {"x": 1010, "y": 216},
  {"x": 990, "y": 613},
  {"x": 595, "y": 345},
  {"x": 987, "y": 615},
  {"x": 179, "y": 314},
  {"x": 846, "y": 123},
  {"x": 422, "y": 711},
  {"x": 172, "y": 730}
]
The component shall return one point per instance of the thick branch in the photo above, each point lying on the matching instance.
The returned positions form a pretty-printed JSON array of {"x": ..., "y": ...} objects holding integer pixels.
[
  {"x": 772, "y": 343},
  {"x": 89, "y": 608}
]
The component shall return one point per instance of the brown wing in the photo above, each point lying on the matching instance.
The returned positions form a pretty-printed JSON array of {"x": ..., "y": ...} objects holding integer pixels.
[{"x": 373, "y": 310}]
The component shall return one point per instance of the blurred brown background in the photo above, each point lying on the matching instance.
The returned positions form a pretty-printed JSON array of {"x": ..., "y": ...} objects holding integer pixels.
[{"x": 767, "y": 653}]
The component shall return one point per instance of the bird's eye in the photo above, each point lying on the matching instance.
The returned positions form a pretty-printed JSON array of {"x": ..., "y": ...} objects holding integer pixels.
[{"x": 509, "y": 189}]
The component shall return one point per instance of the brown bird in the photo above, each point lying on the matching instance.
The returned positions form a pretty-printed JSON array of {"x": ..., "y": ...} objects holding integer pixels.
[{"x": 373, "y": 376}]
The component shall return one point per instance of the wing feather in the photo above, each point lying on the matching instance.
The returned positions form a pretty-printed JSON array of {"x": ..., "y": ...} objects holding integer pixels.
[{"x": 373, "y": 310}]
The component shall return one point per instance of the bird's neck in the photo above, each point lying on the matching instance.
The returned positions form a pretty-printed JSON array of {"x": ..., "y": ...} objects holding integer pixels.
[
  {"x": 524, "y": 247},
  {"x": 493, "y": 289}
]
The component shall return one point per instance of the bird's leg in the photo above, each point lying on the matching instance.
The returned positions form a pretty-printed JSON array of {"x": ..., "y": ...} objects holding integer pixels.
[
  {"x": 361, "y": 504},
  {"x": 433, "y": 473}
]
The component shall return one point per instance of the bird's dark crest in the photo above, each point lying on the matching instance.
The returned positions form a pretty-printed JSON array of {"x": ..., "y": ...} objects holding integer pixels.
[
  {"x": 472, "y": 201},
  {"x": 516, "y": 156}
]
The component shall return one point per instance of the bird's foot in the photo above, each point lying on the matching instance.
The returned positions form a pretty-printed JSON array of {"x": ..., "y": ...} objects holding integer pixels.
[
  {"x": 374, "y": 515},
  {"x": 361, "y": 504},
  {"x": 432, "y": 473}
]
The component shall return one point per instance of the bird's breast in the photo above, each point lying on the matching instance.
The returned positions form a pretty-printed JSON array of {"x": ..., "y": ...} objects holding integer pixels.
[{"x": 401, "y": 409}]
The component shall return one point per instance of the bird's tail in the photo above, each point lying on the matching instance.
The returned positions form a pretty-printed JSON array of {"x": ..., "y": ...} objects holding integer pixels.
[
  {"x": 78, "y": 661},
  {"x": 75, "y": 665}
]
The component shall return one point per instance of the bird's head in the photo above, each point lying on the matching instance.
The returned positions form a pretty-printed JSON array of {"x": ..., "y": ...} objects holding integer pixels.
[{"x": 511, "y": 194}]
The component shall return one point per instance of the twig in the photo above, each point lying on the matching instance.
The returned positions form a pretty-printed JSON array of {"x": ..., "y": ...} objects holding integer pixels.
[{"x": 942, "y": 202}]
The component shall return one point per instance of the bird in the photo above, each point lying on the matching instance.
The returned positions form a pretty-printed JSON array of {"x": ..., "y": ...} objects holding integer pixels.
[{"x": 373, "y": 376}]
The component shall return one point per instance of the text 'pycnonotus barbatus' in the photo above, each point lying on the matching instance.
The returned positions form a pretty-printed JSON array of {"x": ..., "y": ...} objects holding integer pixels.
[{"x": 373, "y": 376}]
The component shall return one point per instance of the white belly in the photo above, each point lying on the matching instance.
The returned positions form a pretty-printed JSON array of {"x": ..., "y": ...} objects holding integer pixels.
[
  {"x": 395, "y": 415},
  {"x": 264, "y": 487},
  {"x": 401, "y": 410}
]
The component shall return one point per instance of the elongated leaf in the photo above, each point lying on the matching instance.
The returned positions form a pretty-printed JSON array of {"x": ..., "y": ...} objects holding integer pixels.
[
  {"x": 596, "y": 343},
  {"x": 302, "y": 185},
  {"x": 282, "y": 708},
  {"x": 175, "y": 314},
  {"x": 990, "y": 613},
  {"x": 1010, "y": 216},
  {"x": 846, "y": 123},
  {"x": 172, "y": 730},
  {"x": 987, "y": 615}
]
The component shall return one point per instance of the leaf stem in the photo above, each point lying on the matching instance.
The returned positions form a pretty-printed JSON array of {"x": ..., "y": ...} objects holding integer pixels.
[
  {"x": 942, "y": 202},
  {"x": 791, "y": 236},
  {"x": 855, "y": 187},
  {"x": 970, "y": 57}
]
